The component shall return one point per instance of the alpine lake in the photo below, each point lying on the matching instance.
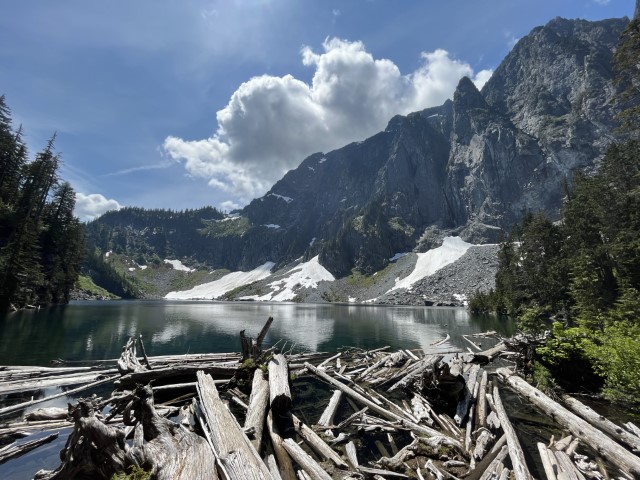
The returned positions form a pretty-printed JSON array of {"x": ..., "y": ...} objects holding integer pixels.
[{"x": 94, "y": 330}]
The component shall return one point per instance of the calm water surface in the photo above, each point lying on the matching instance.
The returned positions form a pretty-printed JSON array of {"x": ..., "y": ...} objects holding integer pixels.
[{"x": 98, "y": 330}]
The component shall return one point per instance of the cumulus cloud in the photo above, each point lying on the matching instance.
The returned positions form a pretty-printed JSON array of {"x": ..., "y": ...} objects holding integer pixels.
[
  {"x": 93, "y": 205},
  {"x": 272, "y": 123}
]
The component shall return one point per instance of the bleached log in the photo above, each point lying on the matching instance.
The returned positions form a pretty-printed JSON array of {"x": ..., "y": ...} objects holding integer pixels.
[
  {"x": 482, "y": 444},
  {"x": 273, "y": 467},
  {"x": 473, "y": 344},
  {"x": 218, "y": 370},
  {"x": 326, "y": 419},
  {"x": 373, "y": 406},
  {"x": 606, "y": 447},
  {"x": 515, "y": 450},
  {"x": 397, "y": 461},
  {"x": 491, "y": 353},
  {"x": 49, "y": 413},
  {"x": 465, "y": 402},
  {"x": 253, "y": 348},
  {"x": 499, "y": 451},
  {"x": 279, "y": 391},
  {"x": 314, "y": 441},
  {"x": 284, "y": 460},
  {"x": 481, "y": 405},
  {"x": 547, "y": 464},
  {"x": 302, "y": 458},
  {"x": 379, "y": 473},
  {"x": 494, "y": 465},
  {"x": 47, "y": 381},
  {"x": 258, "y": 406},
  {"x": 16, "y": 450},
  {"x": 350, "y": 452},
  {"x": 325, "y": 362},
  {"x": 567, "y": 467},
  {"x": 634, "y": 429},
  {"x": 233, "y": 448},
  {"x": 427, "y": 363},
  {"x": 602, "y": 423},
  {"x": 20, "y": 406}
]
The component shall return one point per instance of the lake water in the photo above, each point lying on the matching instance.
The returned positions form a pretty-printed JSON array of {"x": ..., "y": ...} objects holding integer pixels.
[{"x": 98, "y": 330}]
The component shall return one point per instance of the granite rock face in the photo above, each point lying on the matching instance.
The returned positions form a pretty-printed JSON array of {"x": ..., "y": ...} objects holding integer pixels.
[{"x": 471, "y": 166}]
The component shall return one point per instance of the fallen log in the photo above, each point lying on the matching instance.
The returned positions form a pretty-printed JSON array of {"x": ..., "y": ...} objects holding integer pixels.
[
  {"x": 20, "y": 406},
  {"x": 284, "y": 460},
  {"x": 302, "y": 458},
  {"x": 279, "y": 391},
  {"x": 326, "y": 419},
  {"x": 376, "y": 408},
  {"x": 232, "y": 447},
  {"x": 316, "y": 443},
  {"x": 515, "y": 450},
  {"x": 622, "y": 458},
  {"x": 258, "y": 406},
  {"x": 550, "y": 466},
  {"x": 487, "y": 355},
  {"x": 602, "y": 423},
  {"x": 419, "y": 368},
  {"x": 145, "y": 376},
  {"x": 466, "y": 401},
  {"x": 16, "y": 450},
  {"x": 253, "y": 348}
]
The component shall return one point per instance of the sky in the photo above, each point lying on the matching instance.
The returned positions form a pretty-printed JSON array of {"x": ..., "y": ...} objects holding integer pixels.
[{"x": 186, "y": 103}]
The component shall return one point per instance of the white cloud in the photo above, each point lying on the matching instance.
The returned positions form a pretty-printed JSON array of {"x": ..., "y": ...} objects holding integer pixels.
[
  {"x": 272, "y": 123},
  {"x": 602, "y": 2},
  {"x": 229, "y": 205},
  {"x": 93, "y": 205}
]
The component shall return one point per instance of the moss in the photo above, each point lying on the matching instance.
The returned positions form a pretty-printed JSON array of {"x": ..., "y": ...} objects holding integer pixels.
[
  {"x": 137, "y": 473},
  {"x": 358, "y": 279},
  {"x": 85, "y": 284}
]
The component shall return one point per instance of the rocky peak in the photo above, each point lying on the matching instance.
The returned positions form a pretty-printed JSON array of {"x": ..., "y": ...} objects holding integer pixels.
[{"x": 468, "y": 96}]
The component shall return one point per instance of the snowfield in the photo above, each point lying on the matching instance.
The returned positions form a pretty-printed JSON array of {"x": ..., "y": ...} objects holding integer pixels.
[
  {"x": 430, "y": 262},
  {"x": 305, "y": 275},
  {"x": 223, "y": 285},
  {"x": 178, "y": 265}
]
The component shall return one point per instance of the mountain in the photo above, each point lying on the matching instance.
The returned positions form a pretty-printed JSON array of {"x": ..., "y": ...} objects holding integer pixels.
[{"x": 470, "y": 167}]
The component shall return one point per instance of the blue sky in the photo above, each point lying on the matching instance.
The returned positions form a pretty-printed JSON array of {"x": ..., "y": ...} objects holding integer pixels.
[{"x": 185, "y": 103}]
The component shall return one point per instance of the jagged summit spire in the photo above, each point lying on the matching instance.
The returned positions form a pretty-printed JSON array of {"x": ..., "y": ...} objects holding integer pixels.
[
  {"x": 636, "y": 14},
  {"x": 467, "y": 94}
]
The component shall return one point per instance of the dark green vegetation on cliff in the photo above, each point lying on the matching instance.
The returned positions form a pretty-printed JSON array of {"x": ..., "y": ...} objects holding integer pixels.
[
  {"x": 472, "y": 166},
  {"x": 585, "y": 271},
  {"x": 41, "y": 242}
]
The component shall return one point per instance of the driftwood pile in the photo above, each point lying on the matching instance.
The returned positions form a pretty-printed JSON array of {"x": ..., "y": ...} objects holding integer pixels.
[{"x": 366, "y": 414}]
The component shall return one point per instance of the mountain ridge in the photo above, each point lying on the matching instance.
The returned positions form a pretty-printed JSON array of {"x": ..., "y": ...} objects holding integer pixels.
[{"x": 470, "y": 167}]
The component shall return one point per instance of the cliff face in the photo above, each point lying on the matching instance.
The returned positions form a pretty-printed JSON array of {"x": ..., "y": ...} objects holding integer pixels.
[{"x": 471, "y": 166}]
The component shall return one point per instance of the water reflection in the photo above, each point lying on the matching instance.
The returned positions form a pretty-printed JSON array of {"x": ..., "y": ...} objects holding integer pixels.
[{"x": 97, "y": 330}]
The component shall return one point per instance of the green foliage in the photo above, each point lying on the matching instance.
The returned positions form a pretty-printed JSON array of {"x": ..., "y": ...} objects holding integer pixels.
[
  {"x": 86, "y": 284},
  {"x": 41, "y": 242},
  {"x": 137, "y": 473},
  {"x": 585, "y": 270},
  {"x": 616, "y": 357},
  {"x": 233, "y": 227}
]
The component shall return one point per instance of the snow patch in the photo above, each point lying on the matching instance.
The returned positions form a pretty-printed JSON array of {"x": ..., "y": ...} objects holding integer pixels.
[
  {"x": 461, "y": 297},
  {"x": 313, "y": 240},
  {"x": 143, "y": 267},
  {"x": 132, "y": 269},
  {"x": 106, "y": 255},
  {"x": 281, "y": 197},
  {"x": 430, "y": 262},
  {"x": 223, "y": 285},
  {"x": 271, "y": 225},
  {"x": 312, "y": 169},
  {"x": 352, "y": 300},
  {"x": 178, "y": 265},
  {"x": 305, "y": 275},
  {"x": 397, "y": 256},
  {"x": 322, "y": 160}
]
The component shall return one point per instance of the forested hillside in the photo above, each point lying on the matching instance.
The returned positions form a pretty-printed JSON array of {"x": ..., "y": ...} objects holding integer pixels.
[
  {"x": 584, "y": 272},
  {"x": 41, "y": 242}
]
